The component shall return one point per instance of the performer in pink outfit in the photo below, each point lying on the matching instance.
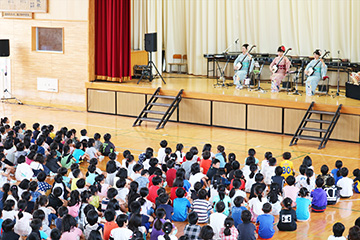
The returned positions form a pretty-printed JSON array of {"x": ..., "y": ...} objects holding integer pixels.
[{"x": 283, "y": 66}]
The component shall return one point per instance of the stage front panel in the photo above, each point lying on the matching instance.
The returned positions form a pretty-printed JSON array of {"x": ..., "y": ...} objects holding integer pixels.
[
  {"x": 229, "y": 115},
  {"x": 195, "y": 111},
  {"x": 262, "y": 118},
  {"x": 129, "y": 104},
  {"x": 101, "y": 101}
]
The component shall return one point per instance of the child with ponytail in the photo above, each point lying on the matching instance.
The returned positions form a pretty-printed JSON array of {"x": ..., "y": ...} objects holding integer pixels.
[
  {"x": 287, "y": 219},
  {"x": 302, "y": 205},
  {"x": 235, "y": 191},
  {"x": 309, "y": 183},
  {"x": 250, "y": 180},
  {"x": 257, "y": 203},
  {"x": 229, "y": 232},
  {"x": 169, "y": 232},
  {"x": 224, "y": 198},
  {"x": 22, "y": 226},
  {"x": 158, "y": 223}
]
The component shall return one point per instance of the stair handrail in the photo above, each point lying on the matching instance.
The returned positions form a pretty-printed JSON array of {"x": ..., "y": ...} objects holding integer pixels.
[
  {"x": 146, "y": 105},
  {"x": 170, "y": 109}
]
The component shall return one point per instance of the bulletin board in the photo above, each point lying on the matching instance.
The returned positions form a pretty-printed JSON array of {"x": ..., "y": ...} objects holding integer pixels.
[{"x": 23, "y": 6}]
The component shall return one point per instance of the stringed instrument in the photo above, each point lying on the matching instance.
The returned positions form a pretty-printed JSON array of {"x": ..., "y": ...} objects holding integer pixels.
[
  {"x": 240, "y": 64},
  {"x": 311, "y": 70},
  {"x": 275, "y": 68}
]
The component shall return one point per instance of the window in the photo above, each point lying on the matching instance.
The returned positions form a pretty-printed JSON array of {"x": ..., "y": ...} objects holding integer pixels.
[{"x": 48, "y": 39}]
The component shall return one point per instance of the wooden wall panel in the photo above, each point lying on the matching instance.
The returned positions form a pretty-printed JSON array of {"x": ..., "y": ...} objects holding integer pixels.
[
  {"x": 101, "y": 101},
  {"x": 264, "y": 118},
  {"x": 71, "y": 68},
  {"x": 292, "y": 119},
  {"x": 229, "y": 114},
  {"x": 195, "y": 111},
  {"x": 129, "y": 103},
  {"x": 347, "y": 128}
]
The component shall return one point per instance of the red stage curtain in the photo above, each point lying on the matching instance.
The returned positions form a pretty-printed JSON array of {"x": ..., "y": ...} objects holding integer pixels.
[{"x": 112, "y": 40}]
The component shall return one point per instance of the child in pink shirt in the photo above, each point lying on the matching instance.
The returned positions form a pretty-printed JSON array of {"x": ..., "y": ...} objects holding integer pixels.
[
  {"x": 70, "y": 231},
  {"x": 290, "y": 190}
]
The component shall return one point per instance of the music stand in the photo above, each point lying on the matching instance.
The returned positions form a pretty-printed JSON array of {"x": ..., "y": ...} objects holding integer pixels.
[
  {"x": 258, "y": 74},
  {"x": 150, "y": 47}
]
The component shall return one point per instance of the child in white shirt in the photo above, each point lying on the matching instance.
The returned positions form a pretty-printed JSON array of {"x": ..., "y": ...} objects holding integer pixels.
[
  {"x": 161, "y": 152},
  {"x": 345, "y": 183},
  {"x": 269, "y": 170}
]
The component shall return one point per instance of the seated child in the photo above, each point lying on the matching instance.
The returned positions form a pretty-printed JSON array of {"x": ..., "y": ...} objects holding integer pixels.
[
  {"x": 332, "y": 191},
  {"x": 319, "y": 198},
  {"x": 303, "y": 204},
  {"x": 43, "y": 186},
  {"x": 217, "y": 219},
  {"x": 335, "y": 172},
  {"x": 345, "y": 184},
  {"x": 237, "y": 209},
  {"x": 37, "y": 228},
  {"x": 246, "y": 229},
  {"x": 143, "y": 180},
  {"x": 338, "y": 230},
  {"x": 181, "y": 206},
  {"x": 266, "y": 222},
  {"x": 278, "y": 178},
  {"x": 122, "y": 231},
  {"x": 202, "y": 207},
  {"x": 163, "y": 203},
  {"x": 229, "y": 231},
  {"x": 158, "y": 222},
  {"x": 69, "y": 229},
  {"x": 110, "y": 223},
  {"x": 269, "y": 171},
  {"x": 62, "y": 211},
  {"x": 287, "y": 219},
  {"x": 192, "y": 230},
  {"x": 290, "y": 190},
  {"x": 170, "y": 173}
]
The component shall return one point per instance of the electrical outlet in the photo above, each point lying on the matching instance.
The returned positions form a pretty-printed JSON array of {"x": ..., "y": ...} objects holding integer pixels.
[{"x": 47, "y": 84}]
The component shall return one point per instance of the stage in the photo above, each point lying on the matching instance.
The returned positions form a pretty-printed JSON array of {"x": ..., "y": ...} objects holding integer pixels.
[{"x": 226, "y": 107}]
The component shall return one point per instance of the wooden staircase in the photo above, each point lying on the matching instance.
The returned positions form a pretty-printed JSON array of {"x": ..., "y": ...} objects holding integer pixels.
[
  {"x": 324, "y": 132},
  {"x": 165, "y": 115}
]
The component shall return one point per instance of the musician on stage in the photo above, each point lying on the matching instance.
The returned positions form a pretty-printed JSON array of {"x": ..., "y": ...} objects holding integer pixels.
[
  {"x": 319, "y": 71},
  {"x": 283, "y": 68},
  {"x": 245, "y": 59}
]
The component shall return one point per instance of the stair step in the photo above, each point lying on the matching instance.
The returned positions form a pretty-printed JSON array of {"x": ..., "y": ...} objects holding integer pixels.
[
  {"x": 150, "y": 119},
  {"x": 318, "y": 121},
  {"x": 166, "y": 97},
  {"x": 322, "y": 112},
  {"x": 313, "y": 129},
  {"x": 154, "y": 112},
  {"x": 160, "y": 104},
  {"x": 309, "y": 138}
]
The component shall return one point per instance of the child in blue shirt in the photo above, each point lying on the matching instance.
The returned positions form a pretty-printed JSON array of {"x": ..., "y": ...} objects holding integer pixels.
[
  {"x": 181, "y": 206},
  {"x": 302, "y": 205},
  {"x": 335, "y": 172},
  {"x": 237, "y": 210},
  {"x": 265, "y": 222},
  {"x": 33, "y": 188},
  {"x": 79, "y": 154},
  {"x": 91, "y": 174}
]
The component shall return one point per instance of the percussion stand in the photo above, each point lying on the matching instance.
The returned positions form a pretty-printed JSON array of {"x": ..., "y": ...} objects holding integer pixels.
[{"x": 337, "y": 94}]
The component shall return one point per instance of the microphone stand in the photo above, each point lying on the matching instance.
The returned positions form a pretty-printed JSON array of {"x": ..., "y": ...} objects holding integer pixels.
[
  {"x": 222, "y": 71},
  {"x": 337, "y": 94}
]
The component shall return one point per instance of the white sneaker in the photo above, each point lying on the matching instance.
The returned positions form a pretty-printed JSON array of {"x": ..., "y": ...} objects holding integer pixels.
[
  {"x": 237, "y": 87},
  {"x": 240, "y": 87}
]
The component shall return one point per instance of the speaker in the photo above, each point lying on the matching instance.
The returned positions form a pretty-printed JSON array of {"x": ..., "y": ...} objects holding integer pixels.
[
  {"x": 151, "y": 42},
  {"x": 4, "y": 48}
]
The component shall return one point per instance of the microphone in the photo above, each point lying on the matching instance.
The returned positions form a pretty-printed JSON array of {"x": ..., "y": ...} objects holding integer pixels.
[{"x": 236, "y": 41}]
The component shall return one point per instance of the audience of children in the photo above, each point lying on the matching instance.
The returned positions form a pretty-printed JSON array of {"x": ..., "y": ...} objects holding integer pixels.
[{"x": 174, "y": 187}]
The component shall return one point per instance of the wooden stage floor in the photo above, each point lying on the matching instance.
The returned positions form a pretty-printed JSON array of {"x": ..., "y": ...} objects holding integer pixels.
[
  {"x": 203, "y": 85},
  {"x": 237, "y": 141}
]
